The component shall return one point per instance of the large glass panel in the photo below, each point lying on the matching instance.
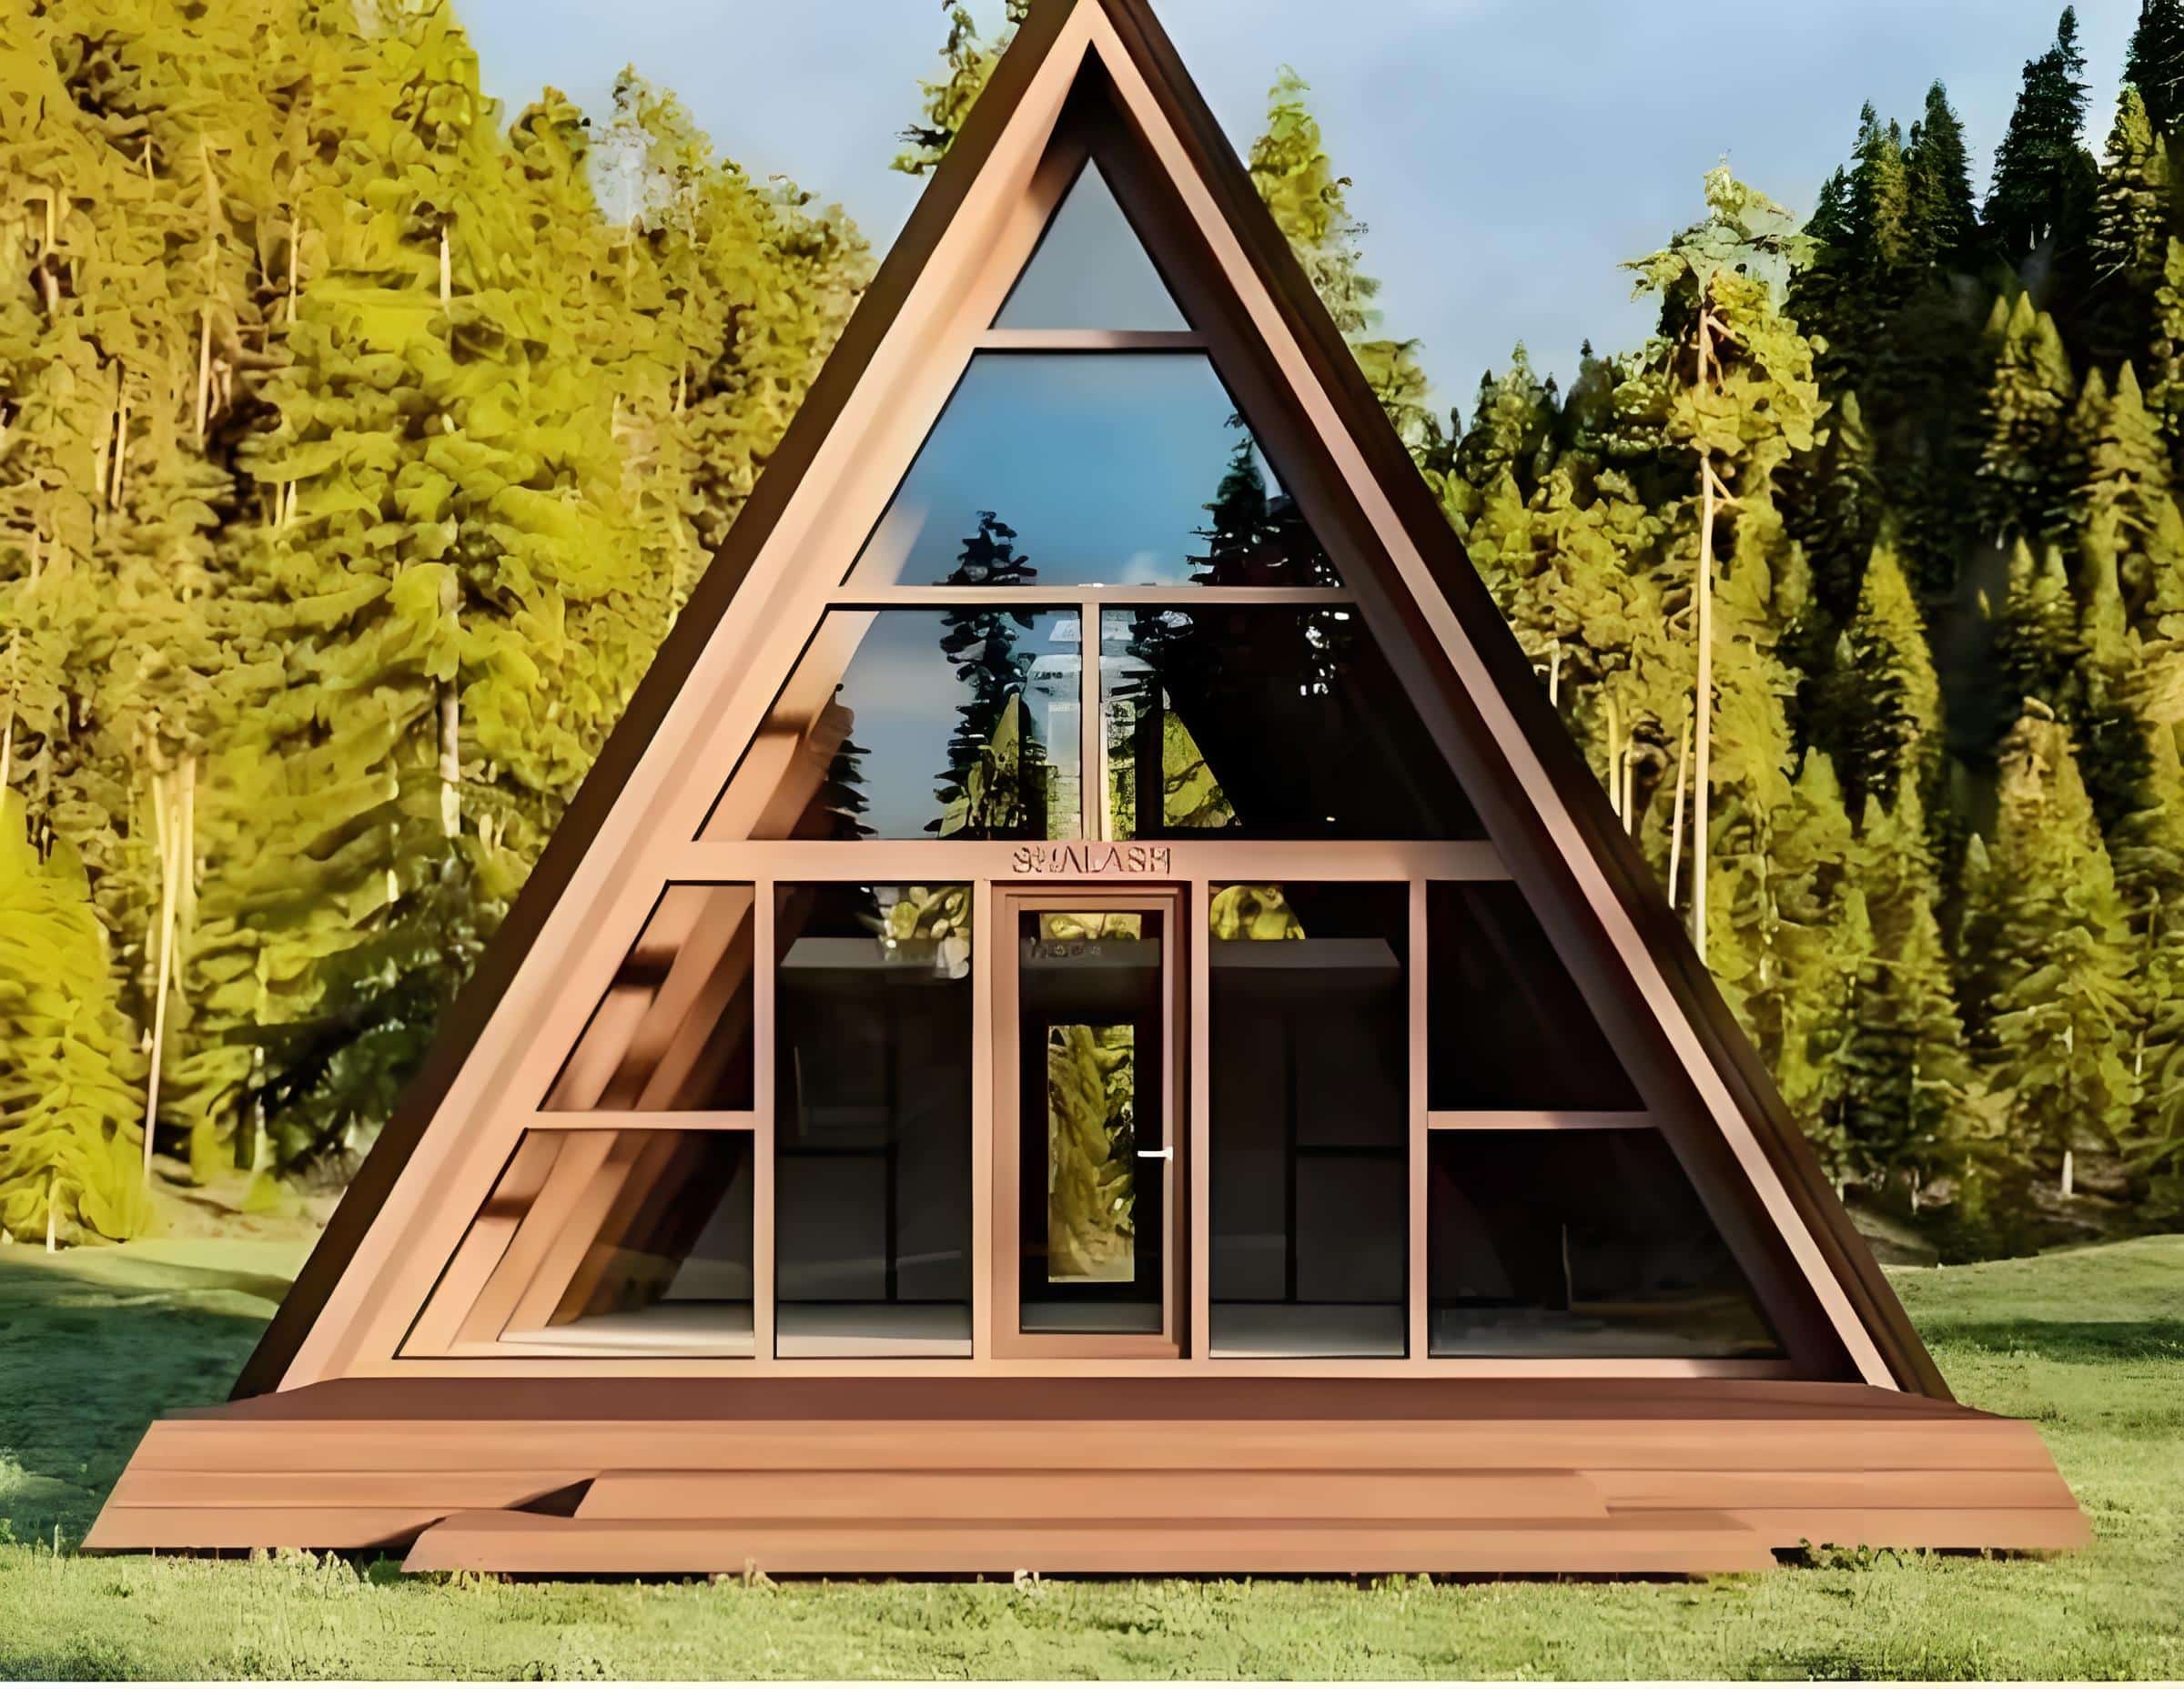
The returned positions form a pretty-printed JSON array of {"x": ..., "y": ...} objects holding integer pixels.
[
  {"x": 1310, "y": 1045},
  {"x": 1582, "y": 1244},
  {"x": 1091, "y": 271},
  {"x": 1092, "y": 1132},
  {"x": 674, "y": 1031},
  {"x": 1266, "y": 722},
  {"x": 913, "y": 724},
  {"x": 1507, "y": 1025},
  {"x": 666, "y": 1267},
  {"x": 1094, "y": 468},
  {"x": 873, "y": 1120}
]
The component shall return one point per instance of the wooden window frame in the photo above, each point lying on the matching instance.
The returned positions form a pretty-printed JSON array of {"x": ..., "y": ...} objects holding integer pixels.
[
  {"x": 457, "y": 1329},
  {"x": 1181, "y": 1173}
]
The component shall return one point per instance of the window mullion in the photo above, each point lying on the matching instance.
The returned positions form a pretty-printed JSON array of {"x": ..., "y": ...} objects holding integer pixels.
[{"x": 1092, "y": 756}]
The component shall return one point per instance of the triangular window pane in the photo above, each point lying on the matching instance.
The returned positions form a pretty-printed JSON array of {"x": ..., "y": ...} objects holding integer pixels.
[
  {"x": 1592, "y": 1245},
  {"x": 1091, "y": 271},
  {"x": 1092, "y": 469},
  {"x": 622, "y": 1242}
]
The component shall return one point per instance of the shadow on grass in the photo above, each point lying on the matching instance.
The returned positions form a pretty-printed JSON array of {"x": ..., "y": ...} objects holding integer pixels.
[
  {"x": 91, "y": 1360},
  {"x": 80, "y": 1662},
  {"x": 2075, "y": 1342}
]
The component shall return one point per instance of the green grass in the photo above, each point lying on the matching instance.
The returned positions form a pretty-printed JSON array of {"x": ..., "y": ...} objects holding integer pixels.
[{"x": 2090, "y": 1345}]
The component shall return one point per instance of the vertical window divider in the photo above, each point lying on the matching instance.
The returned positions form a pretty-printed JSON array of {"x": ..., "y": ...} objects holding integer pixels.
[
  {"x": 762, "y": 1044},
  {"x": 1092, "y": 749},
  {"x": 1197, "y": 915},
  {"x": 987, "y": 956},
  {"x": 1420, "y": 1291}
]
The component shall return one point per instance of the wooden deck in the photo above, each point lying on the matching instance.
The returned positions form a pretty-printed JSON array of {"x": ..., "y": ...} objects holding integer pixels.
[{"x": 1113, "y": 1475}]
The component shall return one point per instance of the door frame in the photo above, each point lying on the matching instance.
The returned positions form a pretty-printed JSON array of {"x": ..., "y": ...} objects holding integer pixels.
[{"x": 1172, "y": 1342}]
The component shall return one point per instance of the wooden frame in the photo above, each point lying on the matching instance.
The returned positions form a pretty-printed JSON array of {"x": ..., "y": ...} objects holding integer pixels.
[
  {"x": 1089, "y": 77},
  {"x": 1178, "y": 1171}
]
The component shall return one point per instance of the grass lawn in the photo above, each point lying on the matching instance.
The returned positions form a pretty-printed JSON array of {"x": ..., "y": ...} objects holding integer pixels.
[{"x": 94, "y": 1344}]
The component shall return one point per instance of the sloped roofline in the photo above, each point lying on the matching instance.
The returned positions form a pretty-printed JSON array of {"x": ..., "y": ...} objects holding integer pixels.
[{"x": 1691, "y": 989}]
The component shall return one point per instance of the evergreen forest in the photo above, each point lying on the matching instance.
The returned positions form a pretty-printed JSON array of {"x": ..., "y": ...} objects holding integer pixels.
[{"x": 359, "y": 440}]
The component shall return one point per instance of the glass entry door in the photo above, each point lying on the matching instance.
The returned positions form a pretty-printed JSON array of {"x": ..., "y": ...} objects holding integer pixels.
[{"x": 1088, "y": 1174}]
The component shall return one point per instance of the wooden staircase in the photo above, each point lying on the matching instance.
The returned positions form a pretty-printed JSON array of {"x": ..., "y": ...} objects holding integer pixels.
[
  {"x": 999, "y": 1521},
  {"x": 1153, "y": 1476}
]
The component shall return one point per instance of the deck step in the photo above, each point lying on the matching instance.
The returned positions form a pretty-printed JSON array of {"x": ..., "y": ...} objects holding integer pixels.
[
  {"x": 529, "y": 1543},
  {"x": 985, "y": 1494}
]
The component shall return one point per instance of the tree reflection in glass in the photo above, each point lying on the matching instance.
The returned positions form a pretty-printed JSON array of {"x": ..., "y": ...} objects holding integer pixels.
[{"x": 998, "y": 783}]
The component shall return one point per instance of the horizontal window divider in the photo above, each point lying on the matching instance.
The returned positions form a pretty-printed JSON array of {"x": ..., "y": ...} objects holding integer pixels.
[
  {"x": 642, "y": 1120},
  {"x": 1092, "y": 340},
  {"x": 510, "y": 1360},
  {"x": 1221, "y": 860},
  {"x": 1036, "y": 598},
  {"x": 1535, "y": 1120}
]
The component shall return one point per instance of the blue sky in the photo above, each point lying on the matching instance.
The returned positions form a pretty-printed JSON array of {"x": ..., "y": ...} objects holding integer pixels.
[{"x": 1506, "y": 154}]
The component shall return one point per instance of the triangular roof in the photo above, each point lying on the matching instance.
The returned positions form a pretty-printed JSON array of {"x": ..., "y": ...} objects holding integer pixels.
[{"x": 1097, "y": 75}]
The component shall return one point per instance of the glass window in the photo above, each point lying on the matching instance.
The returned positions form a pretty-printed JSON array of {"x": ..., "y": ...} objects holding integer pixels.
[
  {"x": 1507, "y": 1025},
  {"x": 667, "y": 1270},
  {"x": 673, "y": 1031},
  {"x": 1092, "y": 1053},
  {"x": 1091, "y": 271},
  {"x": 873, "y": 1120},
  {"x": 1309, "y": 1046},
  {"x": 914, "y": 723},
  {"x": 1266, "y": 722},
  {"x": 1091, "y": 469},
  {"x": 1583, "y": 1244}
]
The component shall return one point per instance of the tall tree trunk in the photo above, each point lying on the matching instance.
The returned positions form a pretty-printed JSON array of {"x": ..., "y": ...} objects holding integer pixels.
[
  {"x": 1704, "y": 686},
  {"x": 1675, "y": 825},
  {"x": 1615, "y": 750},
  {"x": 204, "y": 368},
  {"x": 174, "y": 805},
  {"x": 451, "y": 603},
  {"x": 450, "y": 760}
]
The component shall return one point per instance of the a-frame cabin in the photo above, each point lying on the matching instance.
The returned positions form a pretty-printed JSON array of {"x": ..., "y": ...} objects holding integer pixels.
[{"x": 1091, "y": 1019}]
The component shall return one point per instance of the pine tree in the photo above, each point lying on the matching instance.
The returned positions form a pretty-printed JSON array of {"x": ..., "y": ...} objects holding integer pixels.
[
  {"x": 2154, "y": 61},
  {"x": 1881, "y": 222},
  {"x": 2036, "y": 645},
  {"x": 995, "y": 782},
  {"x": 1512, "y": 426},
  {"x": 1943, "y": 217},
  {"x": 1834, "y": 509},
  {"x": 2130, "y": 232},
  {"x": 2020, "y": 477},
  {"x": 2063, "y": 1014},
  {"x": 70, "y": 1100},
  {"x": 2043, "y": 178},
  {"x": 2148, "y": 847},
  {"x": 1295, "y": 177},
  {"x": 2123, "y": 500},
  {"x": 1889, "y": 705},
  {"x": 1909, "y": 1092},
  {"x": 1806, "y": 932},
  {"x": 2165, "y": 389},
  {"x": 2110, "y": 690}
]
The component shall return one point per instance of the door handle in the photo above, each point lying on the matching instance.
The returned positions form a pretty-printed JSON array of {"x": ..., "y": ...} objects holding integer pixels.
[{"x": 1157, "y": 1154}]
